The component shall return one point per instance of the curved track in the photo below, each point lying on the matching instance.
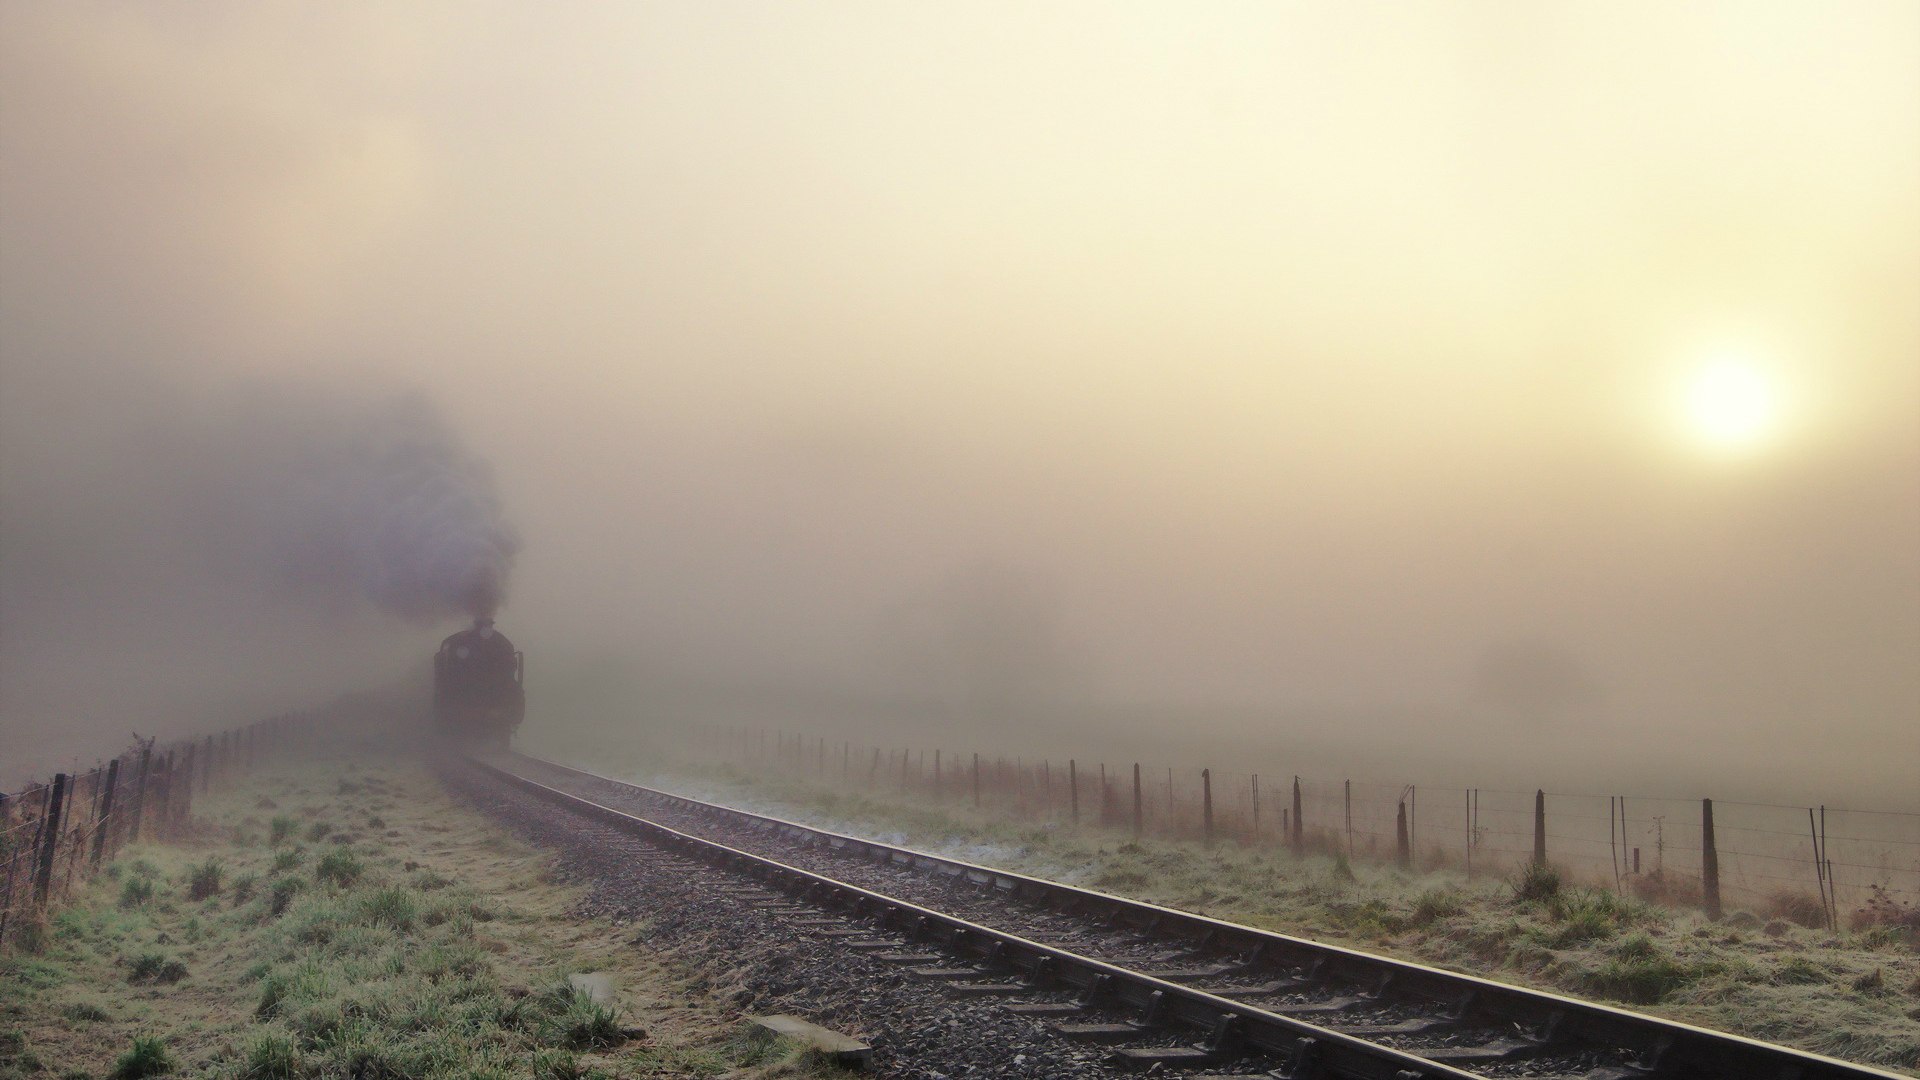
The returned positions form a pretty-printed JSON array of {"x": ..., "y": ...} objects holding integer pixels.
[{"x": 1181, "y": 992}]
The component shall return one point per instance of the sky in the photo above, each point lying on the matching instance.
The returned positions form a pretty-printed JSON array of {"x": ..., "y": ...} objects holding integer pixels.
[{"x": 1535, "y": 379}]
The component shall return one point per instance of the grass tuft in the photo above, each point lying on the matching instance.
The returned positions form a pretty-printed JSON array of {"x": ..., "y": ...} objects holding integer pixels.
[
  {"x": 147, "y": 1057},
  {"x": 339, "y": 866},
  {"x": 281, "y": 829},
  {"x": 1534, "y": 883}
]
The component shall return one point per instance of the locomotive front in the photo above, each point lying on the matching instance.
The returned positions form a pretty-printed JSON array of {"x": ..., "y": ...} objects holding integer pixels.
[{"x": 478, "y": 696}]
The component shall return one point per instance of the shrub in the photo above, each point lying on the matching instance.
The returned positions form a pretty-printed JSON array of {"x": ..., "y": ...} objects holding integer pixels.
[
  {"x": 135, "y": 892},
  {"x": 288, "y": 859},
  {"x": 148, "y": 1057},
  {"x": 205, "y": 880},
  {"x": 243, "y": 887},
  {"x": 339, "y": 866},
  {"x": 1535, "y": 882},
  {"x": 281, "y": 828},
  {"x": 376, "y": 822},
  {"x": 318, "y": 831}
]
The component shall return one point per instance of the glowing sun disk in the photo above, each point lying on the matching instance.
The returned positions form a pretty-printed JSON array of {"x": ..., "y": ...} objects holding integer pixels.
[{"x": 1730, "y": 405}]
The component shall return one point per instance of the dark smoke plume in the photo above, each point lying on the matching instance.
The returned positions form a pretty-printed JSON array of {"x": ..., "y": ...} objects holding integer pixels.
[{"x": 391, "y": 504}]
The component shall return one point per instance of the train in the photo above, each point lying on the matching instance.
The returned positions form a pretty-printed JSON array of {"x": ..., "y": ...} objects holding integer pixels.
[{"x": 479, "y": 687}]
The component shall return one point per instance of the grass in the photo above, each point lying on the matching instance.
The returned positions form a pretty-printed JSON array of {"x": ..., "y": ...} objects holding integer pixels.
[
  {"x": 440, "y": 952},
  {"x": 147, "y": 1057}
]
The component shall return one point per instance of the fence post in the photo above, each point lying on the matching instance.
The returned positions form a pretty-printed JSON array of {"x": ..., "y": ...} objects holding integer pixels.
[
  {"x": 1539, "y": 827},
  {"x": 1348, "y": 785},
  {"x": 936, "y": 774},
  {"x": 976, "y": 781},
  {"x": 1402, "y": 843},
  {"x": 1139, "y": 819},
  {"x": 1299, "y": 838},
  {"x": 185, "y": 808},
  {"x": 140, "y": 793},
  {"x": 1206, "y": 804},
  {"x": 49, "y": 839},
  {"x": 105, "y": 818},
  {"x": 1256, "y": 805},
  {"x": 1709, "y": 862},
  {"x": 206, "y": 773},
  {"x": 1073, "y": 789}
]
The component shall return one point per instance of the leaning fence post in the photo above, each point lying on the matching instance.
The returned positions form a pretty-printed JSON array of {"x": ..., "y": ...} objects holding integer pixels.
[
  {"x": 1206, "y": 804},
  {"x": 104, "y": 820},
  {"x": 1539, "y": 827},
  {"x": 1073, "y": 789},
  {"x": 1138, "y": 817},
  {"x": 1709, "y": 862},
  {"x": 49, "y": 839},
  {"x": 1299, "y": 838}
]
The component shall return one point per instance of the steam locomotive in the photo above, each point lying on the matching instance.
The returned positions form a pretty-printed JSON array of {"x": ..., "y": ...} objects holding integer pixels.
[{"x": 478, "y": 695}]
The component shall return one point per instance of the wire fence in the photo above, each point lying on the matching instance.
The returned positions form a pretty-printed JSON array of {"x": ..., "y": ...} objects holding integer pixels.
[
  {"x": 1810, "y": 864},
  {"x": 57, "y": 834}
]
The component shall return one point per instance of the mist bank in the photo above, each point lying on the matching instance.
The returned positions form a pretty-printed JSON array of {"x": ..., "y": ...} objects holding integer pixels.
[
  {"x": 180, "y": 558},
  {"x": 609, "y": 704}
]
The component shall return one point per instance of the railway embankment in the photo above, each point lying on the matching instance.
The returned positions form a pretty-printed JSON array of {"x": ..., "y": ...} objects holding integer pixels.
[
  {"x": 1853, "y": 993},
  {"x": 346, "y": 919}
]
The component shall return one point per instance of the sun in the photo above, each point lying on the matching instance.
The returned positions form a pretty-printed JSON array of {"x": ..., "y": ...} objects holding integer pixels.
[{"x": 1730, "y": 405}]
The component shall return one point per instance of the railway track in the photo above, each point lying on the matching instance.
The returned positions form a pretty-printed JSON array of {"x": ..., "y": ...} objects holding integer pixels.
[{"x": 1174, "y": 992}]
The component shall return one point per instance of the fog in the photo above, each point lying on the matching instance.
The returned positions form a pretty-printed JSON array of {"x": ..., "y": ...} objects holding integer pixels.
[{"x": 1317, "y": 382}]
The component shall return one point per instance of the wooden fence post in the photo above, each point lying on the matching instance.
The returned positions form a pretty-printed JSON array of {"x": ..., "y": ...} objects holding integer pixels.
[
  {"x": 1138, "y": 818},
  {"x": 976, "y": 781},
  {"x": 104, "y": 820},
  {"x": 1349, "y": 804},
  {"x": 1299, "y": 839},
  {"x": 140, "y": 793},
  {"x": 1073, "y": 789},
  {"x": 1709, "y": 862},
  {"x": 49, "y": 839},
  {"x": 1256, "y": 805},
  {"x": 1402, "y": 843},
  {"x": 1539, "y": 827},
  {"x": 1206, "y": 805}
]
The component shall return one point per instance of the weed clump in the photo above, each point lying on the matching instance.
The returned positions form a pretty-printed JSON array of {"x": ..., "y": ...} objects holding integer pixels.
[
  {"x": 318, "y": 831},
  {"x": 86, "y": 1012},
  {"x": 205, "y": 880},
  {"x": 147, "y": 1057},
  {"x": 282, "y": 894},
  {"x": 135, "y": 892},
  {"x": 1534, "y": 883},
  {"x": 1638, "y": 971},
  {"x": 243, "y": 887},
  {"x": 273, "y": 1056},
  {"x": 1433, "y": 905},
  {"x": 288, "y": 859},
  {"x": 339, "y": 866},
  {"x": 281, "y": 828},
  {"x": 155, "y": 967}
]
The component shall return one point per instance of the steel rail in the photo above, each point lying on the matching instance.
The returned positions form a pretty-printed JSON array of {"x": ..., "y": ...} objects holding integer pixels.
[
  {"x": 1670, "y": 1048},
  {"x": 1228, "y": 1024}
]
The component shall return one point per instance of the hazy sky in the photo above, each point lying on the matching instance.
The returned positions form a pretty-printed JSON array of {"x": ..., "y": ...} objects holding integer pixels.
[{"x": 1507, "y": 365}]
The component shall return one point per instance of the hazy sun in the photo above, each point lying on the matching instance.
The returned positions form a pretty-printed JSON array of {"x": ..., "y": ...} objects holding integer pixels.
[{"x": 1730, "y": 405}]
